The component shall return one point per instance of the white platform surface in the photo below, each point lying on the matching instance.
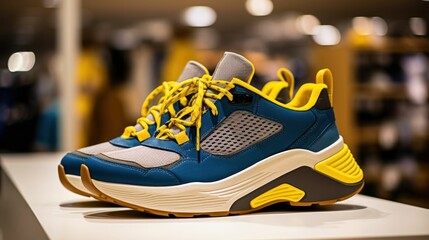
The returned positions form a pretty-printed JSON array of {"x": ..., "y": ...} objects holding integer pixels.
[{"x": 64, "y": 215}]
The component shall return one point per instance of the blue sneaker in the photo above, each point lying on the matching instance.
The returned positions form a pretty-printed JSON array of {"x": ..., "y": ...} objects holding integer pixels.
[
  {"x": 152, "y": 118},
  {"x": 233, "y": 150}
]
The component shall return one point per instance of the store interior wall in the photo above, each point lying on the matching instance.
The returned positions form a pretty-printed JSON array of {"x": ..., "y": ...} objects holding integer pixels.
[{"x": 378, "y": 51}]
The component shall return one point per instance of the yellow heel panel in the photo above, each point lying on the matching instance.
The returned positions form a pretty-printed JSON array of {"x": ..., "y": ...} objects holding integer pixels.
[
  {"x": 345, "y": 161},
  {"x": 349, "y": 164},
  {"x": 353, "y": 170},
  {"x": 339, "y": 158},
  {"x": 341, "y": 166},
  {"x": 283, "y": 192}
]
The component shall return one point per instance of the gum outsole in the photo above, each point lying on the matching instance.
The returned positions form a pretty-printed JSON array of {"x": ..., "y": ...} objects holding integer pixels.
[{"x": 66, "y": 183}]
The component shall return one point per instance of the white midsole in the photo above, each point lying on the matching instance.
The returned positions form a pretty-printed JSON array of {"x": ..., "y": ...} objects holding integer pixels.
[
  {"x": 216, "y": 196},
  {"x": 76, "y": 182}
]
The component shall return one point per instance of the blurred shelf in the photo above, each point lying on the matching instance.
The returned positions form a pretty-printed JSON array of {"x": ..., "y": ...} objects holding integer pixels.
[
  {"x": 369, "y": 134},
  {"x": 391, "y": 45},
  {"x": 394, "y": 91}
]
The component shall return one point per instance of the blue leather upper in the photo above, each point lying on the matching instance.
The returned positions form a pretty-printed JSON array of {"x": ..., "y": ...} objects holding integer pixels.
[
  {"x": 71, "y": 163},
  {"x": 313, "y": 129}
]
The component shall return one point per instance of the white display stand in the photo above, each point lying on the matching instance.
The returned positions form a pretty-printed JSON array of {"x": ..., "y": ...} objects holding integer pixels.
[{"x": 36, "y": 206}]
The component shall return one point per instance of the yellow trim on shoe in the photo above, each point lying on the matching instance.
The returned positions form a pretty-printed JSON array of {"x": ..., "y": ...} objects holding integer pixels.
[
  {"x": 284, "y": 193},
  {"x": 287, "y": 76},
  {"x": 287, "y": 80},
  {"x": 341, "y": 166},
  {"x": 304, "y": 99},
  {"x": 273, "y": 88},
  {"x": 165, "y": 89},
  {"x": 324, "y": 76}
]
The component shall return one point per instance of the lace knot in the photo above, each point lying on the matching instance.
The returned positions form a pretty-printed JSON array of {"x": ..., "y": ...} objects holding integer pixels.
[{"x": 204, "y": 91}]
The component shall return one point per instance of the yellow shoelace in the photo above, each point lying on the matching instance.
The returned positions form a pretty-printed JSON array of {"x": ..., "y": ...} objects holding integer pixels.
[
  {"x": 204, "y": 90},
  {"x": 166, "y": 88}
]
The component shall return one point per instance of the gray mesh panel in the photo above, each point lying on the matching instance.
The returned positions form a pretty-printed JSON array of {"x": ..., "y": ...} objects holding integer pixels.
[
  {"x": 99, "y": 148},
  {"x": 239, "y": 131},
  {"x": 144, "y": 156}
]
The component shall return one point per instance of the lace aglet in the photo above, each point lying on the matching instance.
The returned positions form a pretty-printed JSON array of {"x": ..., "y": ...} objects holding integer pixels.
[{"x": 198, "y": 139}]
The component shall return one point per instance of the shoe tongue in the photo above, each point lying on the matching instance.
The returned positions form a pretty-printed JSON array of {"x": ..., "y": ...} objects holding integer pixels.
[
  {"x": 191, "y": 70},
  {"x": 233, "y": 65}
]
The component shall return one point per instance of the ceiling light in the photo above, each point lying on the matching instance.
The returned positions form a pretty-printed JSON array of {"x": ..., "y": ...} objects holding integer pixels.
[
  {"x": 199, "y": 16},
  {"x": 362, "y": 25},
  {"x": 326, "y": 35},
  {"x": 259, "y": 7},
  {"x": 418, "y": 26},
  {"x": 21, "y": 61},
  {"x": 379, "y": 26},
  {"x": 306, "y": 24}
]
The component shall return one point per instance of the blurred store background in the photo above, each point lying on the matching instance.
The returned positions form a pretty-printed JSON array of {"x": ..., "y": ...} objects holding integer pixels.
[{"x": 75, "y": 73}]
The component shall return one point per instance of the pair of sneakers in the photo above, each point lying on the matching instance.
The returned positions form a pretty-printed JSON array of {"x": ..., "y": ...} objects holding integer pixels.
[
  {"x": 226, "y": 148},
  {"x": 151, "y": 119}
]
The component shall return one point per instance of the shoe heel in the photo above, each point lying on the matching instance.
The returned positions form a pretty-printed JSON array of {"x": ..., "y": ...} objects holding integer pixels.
[
  {"x": 337, "y": 178},
  {"x": 330, "y": 180}
]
